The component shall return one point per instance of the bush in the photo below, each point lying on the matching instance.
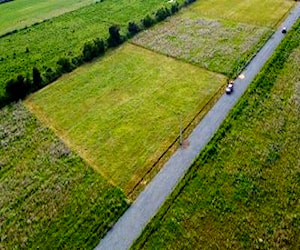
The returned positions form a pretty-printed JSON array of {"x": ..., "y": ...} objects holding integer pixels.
[
  {"x": 99, "y": 46},
  {"x": 162, "y": 14},
  {"x": 64, "y": 65},
  {"x": 174, "y": 8},
  {"x": 133, "y": 28},
  {"x": 51, "y": 75},
  {"x": 148, "y": 21},
  {"x": 88, "y": 52},
  {"x": 17, "y": 88},
  {"x": 114, "y": 36},
  {"x": 36, "y": 78}
]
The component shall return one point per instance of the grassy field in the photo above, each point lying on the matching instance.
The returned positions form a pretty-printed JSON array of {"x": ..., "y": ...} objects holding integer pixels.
[
  {"x": 243, "y": 191},
  {"x": 255, "y": 12},
  {"x": 122, "y": 112},
  {"x": 64, "y": 36},
  {"x": 21, "y": 13},
  {"x": 49, "y": 197},
  {"x": 220, "y": 46}
]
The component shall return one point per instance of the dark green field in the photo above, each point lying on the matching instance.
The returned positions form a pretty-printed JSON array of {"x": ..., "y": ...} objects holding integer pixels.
[
  {"x": 49, "y": 197},
  {"x": 243, "y": 191}
]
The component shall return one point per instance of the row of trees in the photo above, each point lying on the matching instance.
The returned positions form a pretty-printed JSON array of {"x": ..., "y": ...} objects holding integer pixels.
[{"x": 22, "y": 86}]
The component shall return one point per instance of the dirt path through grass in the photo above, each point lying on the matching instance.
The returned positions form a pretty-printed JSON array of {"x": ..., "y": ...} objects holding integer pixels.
[{"x": 132, "y": 223}]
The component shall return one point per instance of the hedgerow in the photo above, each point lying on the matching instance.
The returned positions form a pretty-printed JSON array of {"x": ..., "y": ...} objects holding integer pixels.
[{"x": 20, "y": 87}]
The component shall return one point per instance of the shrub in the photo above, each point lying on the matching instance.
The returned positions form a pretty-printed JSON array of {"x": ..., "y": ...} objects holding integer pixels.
[
  {"x": 162, "y": 14},
  {"x": 114, "y": 36},
  {"x": 17, "y": 88},
  {"x": 174, "y": 8},
  {"x": 99, "y": 46},
  {"x": 133, "y": 28},
  {"x": 36, "y": 78},
  {"x": 148, "y": 21},
  {"x": 64, "y": 65}
]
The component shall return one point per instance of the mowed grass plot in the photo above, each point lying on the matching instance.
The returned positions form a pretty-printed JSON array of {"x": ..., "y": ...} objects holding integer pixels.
[
  {"x": 49, "y": 197},
  {"x": 243, "y": 192},
  {"x": 120, "y": 113},
  {"x": 44, "y": 44},
  {"x": 221, "y": 46},
  {"x": 256, "y": 12},
  {"x": 21, "y": 13}
]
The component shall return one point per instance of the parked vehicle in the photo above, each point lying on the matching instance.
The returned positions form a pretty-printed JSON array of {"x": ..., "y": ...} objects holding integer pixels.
[{"x": 284, "y": 30}]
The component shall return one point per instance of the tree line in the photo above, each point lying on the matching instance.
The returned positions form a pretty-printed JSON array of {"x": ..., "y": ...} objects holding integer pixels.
[{"x": 19, "y": 87}]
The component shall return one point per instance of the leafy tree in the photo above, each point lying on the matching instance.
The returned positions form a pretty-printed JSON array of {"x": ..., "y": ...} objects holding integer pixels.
[
  {"x": 99, "y": 46},
  {"x": 174, "y": 8},
  {"x": 88, "y": 52},
  {"x": 133, "y": 28},
  {"x": 65, "y": 65},
  {"x": 162, "y": 14},
  {"x": 36, "y": 77},
  {"x": 114, "y": 36},
  {"x": 148, "y": 21},
  {"x": 17, "y": 88}
]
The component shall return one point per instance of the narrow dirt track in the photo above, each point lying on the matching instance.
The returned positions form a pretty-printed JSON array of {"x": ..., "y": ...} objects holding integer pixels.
[{"x": 131, "y": 224}]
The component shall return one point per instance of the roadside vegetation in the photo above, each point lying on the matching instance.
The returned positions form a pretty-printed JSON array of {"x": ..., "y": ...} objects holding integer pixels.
[
  {"x": 220, "y": 46},
  {"x": 22, "y": 13},
  {"x": 122, "y": 118},
  {"x": 49, "y": 197},
  {"x": 243, "y": 190}
]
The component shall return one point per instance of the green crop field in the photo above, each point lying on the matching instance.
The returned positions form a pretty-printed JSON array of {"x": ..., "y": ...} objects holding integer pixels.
[
  {"x": 221, "y": 46},
  {"x": 243, "y": 191},
  {"x": 123, "y": 111},
  {"x": 22, "y": 13},
  {"x": 64, "y": 36},
  {"x": 49, "y": 197},
  {"x": 255, "y": 12}
]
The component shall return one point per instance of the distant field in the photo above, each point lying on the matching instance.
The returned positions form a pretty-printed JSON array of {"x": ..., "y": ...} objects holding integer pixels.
[
  {"x": 49, "y": 197},
  {"x": 20, "y": 13},
  {"x": 220, "y": 46},
  {"x": 255, "y": 12},
  {"x": 121, "y": 112},
  {"x": 64, "y": 36},
  {"x": 243, "y": 193}
]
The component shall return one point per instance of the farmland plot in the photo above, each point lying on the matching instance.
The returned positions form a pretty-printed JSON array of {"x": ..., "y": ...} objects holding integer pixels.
[
  {"x": 49, "y": 197},
  {"x": 255, "y": 12},
  {"x": 220, "y": 46},
  {"x": 21, "y": 13},
  {"x": 122, "y": 112}
]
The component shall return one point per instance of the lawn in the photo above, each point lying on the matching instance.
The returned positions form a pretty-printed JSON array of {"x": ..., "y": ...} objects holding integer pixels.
[
  {"x": 256, "y": 12},
  {"x": 123, "y": 111},
  {"x": 22, "y": 13},
  {"x": 64, "y": 36},
  {"x": 49, "y": 197},
  {"x": 243, "y": 191},
  {"x": 221, "y": 46}
]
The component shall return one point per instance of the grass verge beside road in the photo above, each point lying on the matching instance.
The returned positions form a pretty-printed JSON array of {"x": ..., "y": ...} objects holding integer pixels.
[
  {"x": 124, "y": 110},
  {"x": 243, "y": 190},
  {"x": 49, "y": 197}
]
